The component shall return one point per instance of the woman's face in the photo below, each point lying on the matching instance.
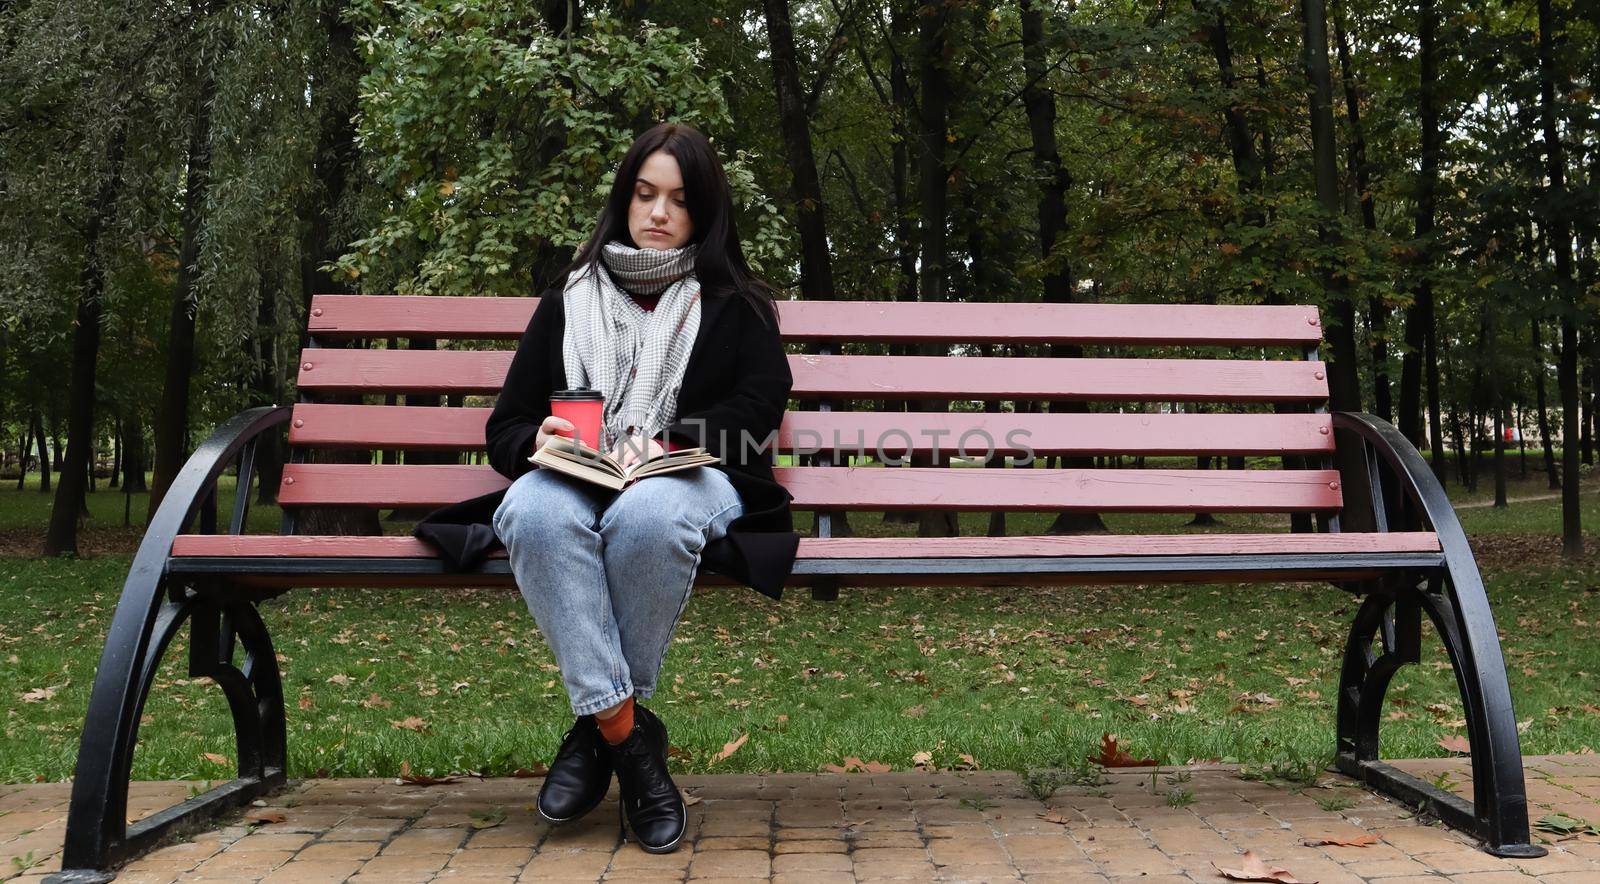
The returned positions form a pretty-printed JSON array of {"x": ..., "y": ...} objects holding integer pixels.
[{"x": 658, "y": 217}]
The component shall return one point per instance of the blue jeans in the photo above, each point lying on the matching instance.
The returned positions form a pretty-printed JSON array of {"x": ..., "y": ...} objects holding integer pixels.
[{"x": 606, "y": 575}]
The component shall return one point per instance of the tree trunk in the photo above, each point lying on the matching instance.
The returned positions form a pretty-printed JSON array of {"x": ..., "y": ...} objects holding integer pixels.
[
  {"x": 333, "y": 92},
  {"x": 1344, "y": 380},
  {"x": 1377, "y": 310},
  {"x": 172, "y": 416},
  {"x": 61, "y": 538},
  {"x": 1560, "y": 240},
  {"x": 1247, "y": 164},
  {"x": 816, "y": 267},
  {"x": 1055, "y": 180},
  {"x": 902, "y": 14},
  {"x": 1419, "y": 317},
  {"x": 23, "y": 445},
  {"x": 267, "y": 383},
  {"x": 933, "y": 199},
  {"x": 133, "y": 451}
]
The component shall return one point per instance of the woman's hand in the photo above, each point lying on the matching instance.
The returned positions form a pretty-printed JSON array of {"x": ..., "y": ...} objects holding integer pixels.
[
  {"x": 628, "y": 449},
  {"x": 552, "y": 426}
]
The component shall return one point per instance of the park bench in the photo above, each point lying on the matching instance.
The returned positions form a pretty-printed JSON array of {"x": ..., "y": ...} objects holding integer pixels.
[{"x": 197, "y": 575}]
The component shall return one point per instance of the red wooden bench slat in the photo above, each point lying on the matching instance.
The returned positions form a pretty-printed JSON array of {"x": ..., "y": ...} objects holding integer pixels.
[
  {"x": 324, "y": 425},
  {"x": 375, "y": 316},
  {"x": 395, "y": 547},
  {"x": 946, "y": 488},
  {"x": 881, "y": 377}
]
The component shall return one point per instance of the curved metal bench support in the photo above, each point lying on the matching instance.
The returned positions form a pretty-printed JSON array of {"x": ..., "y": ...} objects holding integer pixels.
[
  {"x": 153, "y": 609},
  {"x": 1407, "y": 496}
]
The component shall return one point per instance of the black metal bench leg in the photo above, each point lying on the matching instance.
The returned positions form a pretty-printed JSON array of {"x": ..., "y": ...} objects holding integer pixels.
[
  {"x": 1387, "y": 635},
  {"x": 98, "y": 834}
]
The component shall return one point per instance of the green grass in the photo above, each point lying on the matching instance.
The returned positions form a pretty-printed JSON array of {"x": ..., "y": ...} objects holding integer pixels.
[{"x": 1016, "y": 678}]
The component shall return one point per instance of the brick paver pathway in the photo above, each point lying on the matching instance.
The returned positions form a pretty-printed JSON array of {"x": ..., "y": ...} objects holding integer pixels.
[{"x": 826, "y": 828}]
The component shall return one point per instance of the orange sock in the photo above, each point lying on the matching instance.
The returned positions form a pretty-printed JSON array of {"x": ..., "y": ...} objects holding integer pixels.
[{"x": 616, "y": 728}]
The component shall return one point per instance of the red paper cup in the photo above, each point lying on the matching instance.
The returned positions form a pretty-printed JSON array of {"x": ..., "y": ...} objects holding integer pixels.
[{"x": 583, "y": 408}]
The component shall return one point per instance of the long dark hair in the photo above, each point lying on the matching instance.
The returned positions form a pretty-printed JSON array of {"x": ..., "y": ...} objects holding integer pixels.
[{"x": 719, "y": 263}]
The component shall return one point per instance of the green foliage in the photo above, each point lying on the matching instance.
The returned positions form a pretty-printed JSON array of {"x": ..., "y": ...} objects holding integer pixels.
[{"x": 495, "y": 140}]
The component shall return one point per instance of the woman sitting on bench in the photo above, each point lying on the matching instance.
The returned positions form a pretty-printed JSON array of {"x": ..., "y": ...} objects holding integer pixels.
[{"x": 660, "y": 313}]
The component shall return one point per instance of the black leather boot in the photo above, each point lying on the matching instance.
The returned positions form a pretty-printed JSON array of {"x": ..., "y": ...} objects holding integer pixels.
[
  {"x": 651, "y": 804},
  {"x": 580, "y": 774}
]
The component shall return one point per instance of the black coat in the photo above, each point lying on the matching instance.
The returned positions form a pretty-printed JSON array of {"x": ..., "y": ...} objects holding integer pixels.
[{"x": 735, "y": 390}]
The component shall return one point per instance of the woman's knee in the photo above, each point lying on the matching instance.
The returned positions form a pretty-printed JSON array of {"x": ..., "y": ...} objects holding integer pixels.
[
  {"x": 541, "y": 502},
  {"x": 691, "y": 504}
]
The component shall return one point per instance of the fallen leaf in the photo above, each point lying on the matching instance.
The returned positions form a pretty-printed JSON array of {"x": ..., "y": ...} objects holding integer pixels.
[
  {"x": 689, "y": 800},
  {"x": 1055, "y": 816},
  {"x": 916, "y": 711},
  {"x": 728, "y": 749},
  {"x": 853, "y": 764},
  {"x": 412, "y": 723},
  {"x": 406, "y": 776},
  {"x": 1358, "y": 841},
  {"x": 538, "y": 770},
  {"x": 339, "y": 679},
  {"x": 305, "y": 702},
  {"x": 214, "y": 758},
  {"x": 1456, "y": 744},
  {"x": 1253, "y": 869},
  {"x": 375, "y": 701},
  {"x": 1567, "y": 826},
  {"x": 1112, "y": 755},
  {"x": 263, "y": 817},
  {"x": 38, "y": 694},
  {"x": 922, "y": 761}
]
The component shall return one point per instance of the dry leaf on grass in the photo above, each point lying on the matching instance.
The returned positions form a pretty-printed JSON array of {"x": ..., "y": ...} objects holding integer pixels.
[
  {"x": 1358, "y": 841},
  {"x": 214, "y": 758},
  {"x": 728, "y": 749},
  {"x": 38, "y": 694},
  {"x": 407, "y": 777},
  {"x": 412, "y": 723},
  {"x": 1112, "y": 755},
  {"x": 922, "y": 761},
  {"x": 854, "y": 764},
  {"x": 1457, "y": 744},
  {"x": 1251, "y": 868}
]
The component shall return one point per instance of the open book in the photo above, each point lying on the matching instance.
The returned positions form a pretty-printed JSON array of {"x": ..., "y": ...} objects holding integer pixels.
[{"x": 579, "y": 460}]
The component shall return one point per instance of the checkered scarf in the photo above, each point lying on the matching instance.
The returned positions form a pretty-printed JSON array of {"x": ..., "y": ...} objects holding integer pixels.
[{"x": 634, "y": 357}]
